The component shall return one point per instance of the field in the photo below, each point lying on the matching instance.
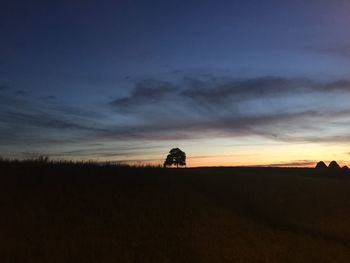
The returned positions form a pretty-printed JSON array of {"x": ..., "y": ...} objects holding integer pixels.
[{"x": 90, "y": 213}]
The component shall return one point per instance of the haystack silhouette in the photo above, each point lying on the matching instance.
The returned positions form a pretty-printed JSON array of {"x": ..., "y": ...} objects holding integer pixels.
[
  {"x": 321, "y": 165},
  {"x": 333, "y": 165}
]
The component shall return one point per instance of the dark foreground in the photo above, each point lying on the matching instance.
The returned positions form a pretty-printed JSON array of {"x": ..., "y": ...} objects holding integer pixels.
[{"x": 67, "y": 213}]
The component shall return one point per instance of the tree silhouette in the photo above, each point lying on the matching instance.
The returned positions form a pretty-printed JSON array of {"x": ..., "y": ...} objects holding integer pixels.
[{"x": 175, "y": 157}]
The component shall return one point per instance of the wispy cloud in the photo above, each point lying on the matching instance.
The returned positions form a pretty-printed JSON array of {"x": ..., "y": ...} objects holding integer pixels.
[
  {"x": 145, "y": 93},
  {"x": 272, "y": 107},
  {"x": 281, "y": 109},
  {"x": 26, "y": 120}
]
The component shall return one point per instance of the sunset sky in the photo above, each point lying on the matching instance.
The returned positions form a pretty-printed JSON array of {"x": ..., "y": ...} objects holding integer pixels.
[{"x": 229, "y": 82}]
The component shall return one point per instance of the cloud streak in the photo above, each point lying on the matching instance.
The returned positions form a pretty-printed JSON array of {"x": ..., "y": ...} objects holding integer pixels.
[
  {"x": 290, "y": 110},
  {"x": 271, "y": 107},
  {"x": 27, "y": 121}
]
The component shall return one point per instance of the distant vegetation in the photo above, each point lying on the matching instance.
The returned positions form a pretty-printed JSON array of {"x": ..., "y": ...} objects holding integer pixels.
[{"x": 45, "y": 160}]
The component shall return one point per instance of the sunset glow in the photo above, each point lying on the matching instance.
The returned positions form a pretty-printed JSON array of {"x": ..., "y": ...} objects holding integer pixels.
[{"x": 258, "y": 83}]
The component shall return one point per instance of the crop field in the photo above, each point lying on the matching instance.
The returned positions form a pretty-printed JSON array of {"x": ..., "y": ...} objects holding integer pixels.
[{"x": 90, "y": 213}]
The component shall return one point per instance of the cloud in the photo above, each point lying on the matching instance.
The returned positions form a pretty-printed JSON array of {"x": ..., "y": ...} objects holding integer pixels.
[
  {"x": 291, "y": 110},
  {"x": 25, "y": 120},
  {"x": 40, "y": 119},
  {"x": 216, "y": 91},
  {"x": 146, "y": 92},
  {"x": 287, "y": 109},
  {"x": 219, "y": 92}
]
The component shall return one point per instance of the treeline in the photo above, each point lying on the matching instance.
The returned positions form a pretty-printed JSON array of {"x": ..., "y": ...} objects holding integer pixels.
[{"x": 43, "y": 164}]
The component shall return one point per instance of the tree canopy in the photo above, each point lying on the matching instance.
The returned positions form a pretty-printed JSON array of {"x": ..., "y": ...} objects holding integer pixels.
[{"x": 175, "y": 157}]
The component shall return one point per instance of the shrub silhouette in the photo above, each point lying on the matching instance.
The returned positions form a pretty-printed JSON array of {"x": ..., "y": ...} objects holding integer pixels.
[{"x": 175, "y": 157}]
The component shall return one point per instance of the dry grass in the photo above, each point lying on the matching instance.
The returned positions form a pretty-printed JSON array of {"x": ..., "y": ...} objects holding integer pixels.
[{"x": 77, "y": 213}]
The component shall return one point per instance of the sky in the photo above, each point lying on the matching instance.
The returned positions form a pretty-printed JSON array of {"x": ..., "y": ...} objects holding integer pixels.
[{"x": 228, "y": 82}]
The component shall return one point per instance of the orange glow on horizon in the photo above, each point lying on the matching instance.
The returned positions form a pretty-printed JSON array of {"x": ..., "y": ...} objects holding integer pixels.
[{"x": 245, "y": 152}]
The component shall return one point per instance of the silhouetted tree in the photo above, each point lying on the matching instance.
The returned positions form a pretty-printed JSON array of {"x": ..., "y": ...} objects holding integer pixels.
[{"x": 175, "y": 157}]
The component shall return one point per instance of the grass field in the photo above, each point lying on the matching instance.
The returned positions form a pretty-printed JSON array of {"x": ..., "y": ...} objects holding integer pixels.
[{"x": 87, "y": 213}]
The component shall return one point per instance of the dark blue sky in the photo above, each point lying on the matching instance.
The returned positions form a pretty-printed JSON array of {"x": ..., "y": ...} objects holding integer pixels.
[{"x": 126, "y": 80}]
